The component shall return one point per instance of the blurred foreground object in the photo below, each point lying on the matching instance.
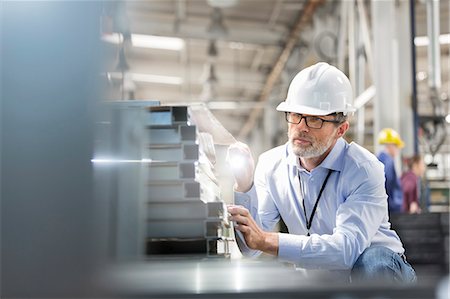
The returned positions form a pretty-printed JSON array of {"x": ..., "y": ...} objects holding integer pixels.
[
  {"x": 50, "y": 61},
  {"x": 157, "y": 180}
]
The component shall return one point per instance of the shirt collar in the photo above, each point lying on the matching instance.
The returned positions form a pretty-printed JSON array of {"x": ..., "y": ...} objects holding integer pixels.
[{"x": 333, "y": 161}]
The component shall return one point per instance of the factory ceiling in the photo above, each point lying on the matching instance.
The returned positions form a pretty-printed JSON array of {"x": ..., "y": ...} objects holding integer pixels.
[{"x": 236, "y": 56}]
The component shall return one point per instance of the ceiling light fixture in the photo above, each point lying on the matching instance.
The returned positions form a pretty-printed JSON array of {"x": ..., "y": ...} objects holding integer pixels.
[
  {"x": 147, "y": 41},
  {"x": 212, "y": 49},
  {"x": 149, "y": 78},
  {"x": 157, "y": 42},
  {"x": 216, "y": 28},
  {"x": 222, "y": 3},
  {"x": 444, "y": 39}
]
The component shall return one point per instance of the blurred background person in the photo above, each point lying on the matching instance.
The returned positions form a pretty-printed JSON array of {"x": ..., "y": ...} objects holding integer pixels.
[
  {"x": 411, "y": 185},
  {"x": 392, "y": 146}
]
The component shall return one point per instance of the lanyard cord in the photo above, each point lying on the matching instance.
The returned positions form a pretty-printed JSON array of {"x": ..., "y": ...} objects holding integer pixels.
[{"x": 309, "y": 222}]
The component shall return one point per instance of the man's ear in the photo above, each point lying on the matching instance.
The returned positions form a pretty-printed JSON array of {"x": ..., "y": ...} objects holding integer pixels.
[{"x": 343, "y": 128}]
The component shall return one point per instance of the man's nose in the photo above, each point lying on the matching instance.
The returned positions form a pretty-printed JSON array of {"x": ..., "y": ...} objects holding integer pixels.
[{"x": 302, "y": 125}]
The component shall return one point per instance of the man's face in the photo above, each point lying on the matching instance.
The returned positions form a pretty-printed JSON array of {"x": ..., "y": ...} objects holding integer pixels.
[
  {"x": 392, "y": 149},
  {"x": 421, "y": 168},
  {"x": 308, "y": 142}
]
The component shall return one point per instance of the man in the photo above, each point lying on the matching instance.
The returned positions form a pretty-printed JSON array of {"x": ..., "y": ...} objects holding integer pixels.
[
  {"x": 329, "y": 193},
  {"x": 411, "y": 185},
  {"x": 392, "y": 143}
]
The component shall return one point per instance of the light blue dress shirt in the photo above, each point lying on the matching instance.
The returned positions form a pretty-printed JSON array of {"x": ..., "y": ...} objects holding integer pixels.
[{"x": 351, "y": 215}]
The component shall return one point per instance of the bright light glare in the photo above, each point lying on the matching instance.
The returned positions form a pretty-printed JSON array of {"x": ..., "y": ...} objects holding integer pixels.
[
  {"x": 147, "y": 41},
  {"x": 198, "y": 280},
  {"x": 106, "y": 161},
  {"x": 237, "y": 161},
  {"x": 238, "y": 277},
  {"x": 447, "y": 118}
]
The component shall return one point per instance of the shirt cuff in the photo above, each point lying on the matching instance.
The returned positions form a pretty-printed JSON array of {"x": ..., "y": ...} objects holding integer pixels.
[
  {"x": 245, "y": 199},
  {"x": 289, "y": 247}
]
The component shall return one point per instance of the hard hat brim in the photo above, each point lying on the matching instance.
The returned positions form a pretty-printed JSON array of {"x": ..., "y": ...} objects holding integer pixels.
[{"x": 285, "y": 107}]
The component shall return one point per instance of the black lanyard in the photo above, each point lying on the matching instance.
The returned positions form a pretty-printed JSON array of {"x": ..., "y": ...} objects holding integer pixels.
[{"x": 309, "y": 222}]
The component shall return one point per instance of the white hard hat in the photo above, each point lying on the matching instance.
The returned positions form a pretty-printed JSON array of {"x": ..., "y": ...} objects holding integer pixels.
[{"x": 320, "y": 89}]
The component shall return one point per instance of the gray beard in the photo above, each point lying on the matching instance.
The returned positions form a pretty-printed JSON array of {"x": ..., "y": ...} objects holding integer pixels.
[{"x": 314, "y": 150}]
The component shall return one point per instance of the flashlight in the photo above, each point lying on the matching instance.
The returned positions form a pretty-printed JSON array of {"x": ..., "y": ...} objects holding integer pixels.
[{"x": 237, "y": 161}]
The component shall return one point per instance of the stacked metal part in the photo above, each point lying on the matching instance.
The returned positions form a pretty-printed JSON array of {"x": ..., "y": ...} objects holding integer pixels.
[{"x": 185, "y": 212}]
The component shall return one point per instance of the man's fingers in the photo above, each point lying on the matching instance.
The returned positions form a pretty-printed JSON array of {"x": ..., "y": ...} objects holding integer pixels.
[
  {"x": 238, "y": 210},
  {"x": 239, "y": 219},
  {"x": 242, "y": 228}
]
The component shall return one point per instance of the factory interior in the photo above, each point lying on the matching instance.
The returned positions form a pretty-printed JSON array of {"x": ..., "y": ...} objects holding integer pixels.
[{"x": 117, "y": 118}]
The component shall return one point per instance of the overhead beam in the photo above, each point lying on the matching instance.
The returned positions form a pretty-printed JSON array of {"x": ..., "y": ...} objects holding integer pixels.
[{"x": 302, "y": 21}]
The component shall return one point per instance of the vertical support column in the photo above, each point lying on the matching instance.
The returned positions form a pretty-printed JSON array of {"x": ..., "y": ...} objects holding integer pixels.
[
  {"x": 434, "y": 51},
  {"x": 392, "y": 59},
  {"x": 405, "y": 89},
  {"x": 386, "y": 103},
  {"x": 342, "y": 40}
]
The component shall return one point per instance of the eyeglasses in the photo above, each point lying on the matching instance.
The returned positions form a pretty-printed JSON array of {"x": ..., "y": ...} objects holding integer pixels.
[{"x": 312, "y": 122}]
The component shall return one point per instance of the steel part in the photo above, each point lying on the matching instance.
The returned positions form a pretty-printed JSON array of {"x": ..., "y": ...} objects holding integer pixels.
[
  {"x": 186, "y": 209},
  {"x": 172, "y": 135},
  {"x": 159, "y": 190},
  {"x": 184, "y": 201},
  {"x": 171, "y": 170},
  {"x": 168, "y": 115},
  {"x": 174, "y": 152},
  {"x": 185, "y": 228}
]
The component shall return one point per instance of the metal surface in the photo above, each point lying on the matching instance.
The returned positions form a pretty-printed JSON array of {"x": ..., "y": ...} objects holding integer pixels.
[
  {"x": 172, "y": 134},
  {"x": 173, "y": 152},
  {"x": 195, "y": 278}
]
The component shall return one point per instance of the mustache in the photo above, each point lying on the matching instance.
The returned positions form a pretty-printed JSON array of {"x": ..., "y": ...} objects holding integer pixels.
[{"x": 301, "y": 136}]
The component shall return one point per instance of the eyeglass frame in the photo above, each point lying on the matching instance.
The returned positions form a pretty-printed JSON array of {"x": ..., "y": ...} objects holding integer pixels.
[{"x": 335, "y": 121}]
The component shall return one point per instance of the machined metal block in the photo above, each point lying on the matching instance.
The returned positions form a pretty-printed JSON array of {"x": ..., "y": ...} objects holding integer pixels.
[
  {"x": 177, "y": 246},
  {"x": 168, "y": 115},
  {"x": 174, "y": 152},
  {"x": 171, "y": 170},
  {"x": 187, "y": 209},
  {"x": 218, "y": 248},
  {"x": 201, "y": 246},
  {"x": 170, "y": 190},
  {"x": 184, "y": 228},
  {"x": 214, "y": 228},
  {"x": 217, "y": 209},
  {"x": 172, "y": 135}
]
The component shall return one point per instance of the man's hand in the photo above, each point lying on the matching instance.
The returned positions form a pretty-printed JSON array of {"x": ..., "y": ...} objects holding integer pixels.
[
  {"x": 414, "y": 208},
  {"x": 255, "y": 237},
  {"x": 240, "y": 158}
]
